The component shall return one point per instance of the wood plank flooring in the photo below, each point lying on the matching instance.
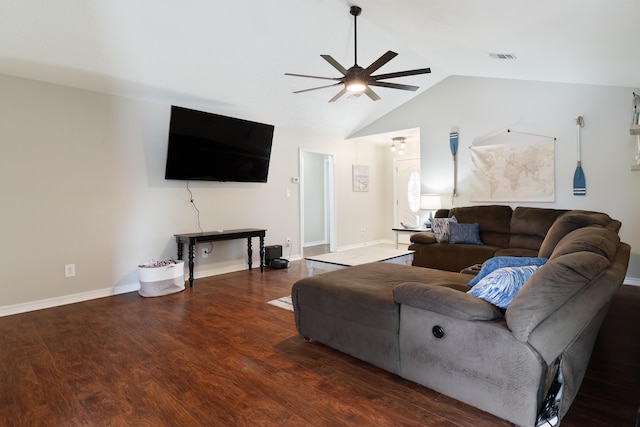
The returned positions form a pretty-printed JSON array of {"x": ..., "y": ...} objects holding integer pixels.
[{"x": 219, "y": 355}]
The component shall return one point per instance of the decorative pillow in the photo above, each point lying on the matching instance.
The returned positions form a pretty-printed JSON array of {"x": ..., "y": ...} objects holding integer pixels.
[
  {"x": 465, "y": 233},
  {"x": 499, "y": 287},
  {"x": 492, "y": 264},
  {"x": 440, "y": 227}
]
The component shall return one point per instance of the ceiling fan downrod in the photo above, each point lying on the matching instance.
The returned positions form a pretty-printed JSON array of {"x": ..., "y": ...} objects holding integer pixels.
[{"x": 355, "y": 11}]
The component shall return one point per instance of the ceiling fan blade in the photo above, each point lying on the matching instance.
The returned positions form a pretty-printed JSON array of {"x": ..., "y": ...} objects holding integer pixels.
[
  {"x": 338, "y": 95},
  {"x": 335, "y": 64},
  {"x": 394, "y": 86},
  {"x": 371, "y": 94},
  {"x": 316, "y": 88},
  {"x": 380, "y": 62},
  {"x": 312, "y": 77},
  {"x": 401, "y": 74}
]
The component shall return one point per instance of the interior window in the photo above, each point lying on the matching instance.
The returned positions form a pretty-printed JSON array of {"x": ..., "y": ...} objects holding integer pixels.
[{"x": 413, "y": 191}]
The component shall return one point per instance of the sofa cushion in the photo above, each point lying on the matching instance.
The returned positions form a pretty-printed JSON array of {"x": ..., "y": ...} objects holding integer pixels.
[
  {"x": 568, "y": 222},
  {"x": 445, "y": 298},
  {"x": 493, "y": 220},
  {"x": 517, "y": 252},
  {"x": 363, "y": 294},
  {"x": 347, "y": 294},
  {"x": 551, "y": 288},
  {"x": 601, "y": 219},
  {"x": 441, "y": 213},
  {"x": 425, "y": 237},
  {"x": 499, "y": 287},
  {"x": 594, "y": 239},
  {"x": 441, "y": 227},
  {"x": 445, "y": 256},
  {"x": 529, "y": 226},
  {"x": 464, "y": 233},
  {"x": 491, "y": 265}
]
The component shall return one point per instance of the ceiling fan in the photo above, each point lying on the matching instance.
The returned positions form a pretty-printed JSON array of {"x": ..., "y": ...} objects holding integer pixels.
[{"x": 357, "y": 79}]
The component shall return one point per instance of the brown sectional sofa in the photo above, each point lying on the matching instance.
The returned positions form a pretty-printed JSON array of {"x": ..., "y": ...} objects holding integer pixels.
[
  {"x": 421, "y": 324},
  {"x": 504, "y": 232}
]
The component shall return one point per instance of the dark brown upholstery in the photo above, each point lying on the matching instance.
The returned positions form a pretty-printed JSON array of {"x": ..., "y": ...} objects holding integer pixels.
[
  {"x": 493, "y": 221},
  {"x": 572, "y": 221},
  {"x": 449, "y": 257},
  {"x": 352, "y": 310},
  {"x": 529, "y": 226},
  {"x": 523, "y": 231}
]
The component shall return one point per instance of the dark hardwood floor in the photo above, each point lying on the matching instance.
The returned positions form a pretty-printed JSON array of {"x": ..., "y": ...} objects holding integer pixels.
[{"x": 219, "y": 355}]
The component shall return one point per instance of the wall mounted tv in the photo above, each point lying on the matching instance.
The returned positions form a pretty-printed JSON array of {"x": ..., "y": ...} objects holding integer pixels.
[{"x": 209, "y": 147}]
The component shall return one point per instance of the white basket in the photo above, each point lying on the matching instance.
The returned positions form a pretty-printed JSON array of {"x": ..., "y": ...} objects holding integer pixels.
[{"x": 158, "y": 281}]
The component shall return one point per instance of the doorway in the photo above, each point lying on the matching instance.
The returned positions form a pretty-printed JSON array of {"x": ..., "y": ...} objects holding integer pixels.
[{"x": 317, "y": 203}]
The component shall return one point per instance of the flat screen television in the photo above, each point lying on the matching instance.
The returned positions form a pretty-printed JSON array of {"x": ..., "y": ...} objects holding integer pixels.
[{"x": 210, "y": 147}]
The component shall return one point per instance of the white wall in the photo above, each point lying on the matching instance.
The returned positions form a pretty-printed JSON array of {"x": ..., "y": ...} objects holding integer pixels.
[
  {"x": 364, "y": 216},
  {"x": 82, "y": 182},
  {"x": 480, "y": 106}
]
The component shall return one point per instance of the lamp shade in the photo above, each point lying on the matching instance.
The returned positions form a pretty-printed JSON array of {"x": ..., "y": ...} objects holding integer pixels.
[{"x": 430, "y": 202}]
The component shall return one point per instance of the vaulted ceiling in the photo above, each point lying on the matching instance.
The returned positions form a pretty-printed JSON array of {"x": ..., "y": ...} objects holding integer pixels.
[{"x": 229, "y": 57}]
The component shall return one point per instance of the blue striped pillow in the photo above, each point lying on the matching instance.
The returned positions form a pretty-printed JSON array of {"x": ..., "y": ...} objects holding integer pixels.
[{"x": 500, "y": 286}]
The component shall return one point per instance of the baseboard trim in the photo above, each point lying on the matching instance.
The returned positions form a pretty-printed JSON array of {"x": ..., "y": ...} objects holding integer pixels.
[
  {"x": 633, "y": 281},
  {"x": 9, "y": 310},
  {"x": 316, "y": 243}
]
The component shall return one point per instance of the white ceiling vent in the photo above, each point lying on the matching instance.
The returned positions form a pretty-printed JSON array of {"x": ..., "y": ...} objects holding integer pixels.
[{"x": 502, "y": 56}]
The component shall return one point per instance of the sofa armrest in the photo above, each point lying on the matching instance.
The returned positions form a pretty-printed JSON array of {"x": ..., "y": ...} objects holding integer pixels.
[
  {"x": 423, "y": 237},
  {"x": 447, "y": 299}
]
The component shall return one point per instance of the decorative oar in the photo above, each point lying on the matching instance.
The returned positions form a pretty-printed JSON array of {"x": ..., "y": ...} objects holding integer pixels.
[
  {"x": 579, "y": 183},
  {"x": 453, "y": 144}
]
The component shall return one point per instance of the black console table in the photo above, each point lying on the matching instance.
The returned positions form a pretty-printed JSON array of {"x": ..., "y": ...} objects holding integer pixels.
[{"x": 192, "y": 239}]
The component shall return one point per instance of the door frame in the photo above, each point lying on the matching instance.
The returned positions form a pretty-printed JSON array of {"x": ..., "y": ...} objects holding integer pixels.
[{"x": 329, "y": 193}]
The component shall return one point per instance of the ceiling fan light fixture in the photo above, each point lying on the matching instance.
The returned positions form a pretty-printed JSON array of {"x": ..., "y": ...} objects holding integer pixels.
[{"x": 355, "y": 85}]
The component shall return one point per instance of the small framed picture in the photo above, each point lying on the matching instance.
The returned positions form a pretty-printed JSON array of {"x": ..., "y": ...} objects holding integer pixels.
[{"x": 360, "y": 178}]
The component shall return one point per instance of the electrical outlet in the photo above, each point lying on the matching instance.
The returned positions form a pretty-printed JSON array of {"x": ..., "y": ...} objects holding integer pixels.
[
  {"x": 70, "y": 270},
  {"x": 288, "y": 242},
  {"x": 205, "y": 253}
]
